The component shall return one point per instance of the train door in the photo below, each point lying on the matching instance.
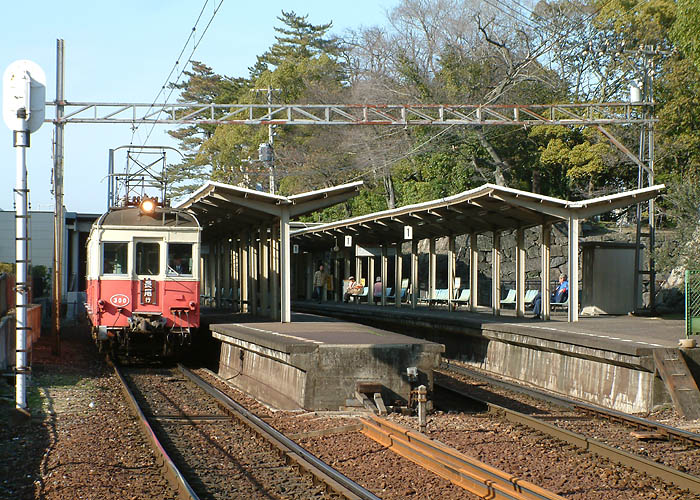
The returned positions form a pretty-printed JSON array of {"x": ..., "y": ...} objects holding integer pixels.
[{"x": 147, "y": 267}]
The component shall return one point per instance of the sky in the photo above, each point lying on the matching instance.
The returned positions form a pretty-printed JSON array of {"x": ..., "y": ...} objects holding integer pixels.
[{"x": 123, "y": 52}]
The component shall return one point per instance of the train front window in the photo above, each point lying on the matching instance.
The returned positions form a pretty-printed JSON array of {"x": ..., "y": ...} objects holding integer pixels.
[
  {"x": 179, "y": 258},
  {"x": 147, "y": 258},
  {"x": 114, "y": 258}
]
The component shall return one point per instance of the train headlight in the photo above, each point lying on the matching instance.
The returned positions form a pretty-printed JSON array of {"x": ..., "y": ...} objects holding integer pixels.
[{"x": 148, "y": 206}]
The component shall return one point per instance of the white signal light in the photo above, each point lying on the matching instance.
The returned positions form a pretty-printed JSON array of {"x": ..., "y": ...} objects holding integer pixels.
[{"x": 148, "y": 206}]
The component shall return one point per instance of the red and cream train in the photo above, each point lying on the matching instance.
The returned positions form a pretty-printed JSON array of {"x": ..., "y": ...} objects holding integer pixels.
[{"x": 143, "y": 278}]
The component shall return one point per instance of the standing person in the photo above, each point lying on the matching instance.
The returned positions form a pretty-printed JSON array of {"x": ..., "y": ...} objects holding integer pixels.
[
  {"x": 319, "y": 282},
  {"x": 560, "y": 295},
  {"x": 353, "y": 289}
]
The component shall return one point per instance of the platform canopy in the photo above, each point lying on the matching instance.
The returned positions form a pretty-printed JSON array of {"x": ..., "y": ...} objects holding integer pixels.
[
  {"x": 484, "y": 209},
  {"x": 224, "y": 209},
  {"x": 217, "y": 203}
]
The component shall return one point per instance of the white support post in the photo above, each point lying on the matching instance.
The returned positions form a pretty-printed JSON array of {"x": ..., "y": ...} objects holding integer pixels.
[
  {"x": 432, "y": 268},
  {"x": 370, "y": 279},
  {"x": 336, "y": 272},
  {"x": 245, "y": 279},
  {"x": 384, "y": 268},
  {"x": 254, "y": 274},
  {"x": 309, "y": 276},
  {"x": 415, "y": 288},
  {"x": 496, "y": 274},
  {"x": 358, "y": 270},
  {"x": 545, "y": 292},
  {"x": 235, "y": 271},
  {"x": 264, "y": 272},
  {"x": 451, "y": 260},
  {"x": 573, "y": 269},
  {"x": 520, "y": 272},
  {"x": 226, "y": 271},
  {"x": 21, "y": 285},
  {"x": 473, "y": 272},
  {"x": 217, "y": 273},
  {"x": 398, "y": 269},
  {"x": 285, "y": 291},
  {"x": 275, "y": 308}
]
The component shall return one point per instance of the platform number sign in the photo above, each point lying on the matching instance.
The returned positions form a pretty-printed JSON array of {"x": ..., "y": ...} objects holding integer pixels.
[
  {"x": 348, "y": 241},
  {"x": 149, "y": 292}
]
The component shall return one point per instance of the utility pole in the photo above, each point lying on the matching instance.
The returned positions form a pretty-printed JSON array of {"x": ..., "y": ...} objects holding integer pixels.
[
  {"x": 59, "y": 219},
  {"x": 266, "y": 151}
]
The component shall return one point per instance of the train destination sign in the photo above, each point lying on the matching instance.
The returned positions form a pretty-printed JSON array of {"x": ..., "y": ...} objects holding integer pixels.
[{"x": 149, "y": 292}]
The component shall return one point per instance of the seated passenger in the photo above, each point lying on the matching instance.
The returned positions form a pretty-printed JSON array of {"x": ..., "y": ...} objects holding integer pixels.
[
  {"x": 378, "y": 289},
  {"x": 354, "y": 288},
  {"x": 560, "y": 295}
]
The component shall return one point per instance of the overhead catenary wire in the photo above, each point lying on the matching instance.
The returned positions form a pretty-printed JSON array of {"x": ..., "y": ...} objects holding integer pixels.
[
  {"x": 184, "y": 66},
  {"x": 172, "y": 70}
]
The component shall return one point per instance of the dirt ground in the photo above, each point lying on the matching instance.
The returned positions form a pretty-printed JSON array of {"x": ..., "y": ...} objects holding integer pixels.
[{"x": 81, "y": 441}]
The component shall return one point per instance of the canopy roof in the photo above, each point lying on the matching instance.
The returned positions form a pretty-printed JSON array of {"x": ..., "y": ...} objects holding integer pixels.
[
  {"x": 483, "y": 209},
  {"x": 240, "y": 208}
]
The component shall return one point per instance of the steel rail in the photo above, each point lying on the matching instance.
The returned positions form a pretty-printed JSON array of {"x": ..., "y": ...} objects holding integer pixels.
[
  {"x": 474, "y": 476},
  {"x": 172, "y": 474},
  {"x": 663, "y": 472},
  {"x": 607, "y": 413},
  {"x": 292, "y": 452}
]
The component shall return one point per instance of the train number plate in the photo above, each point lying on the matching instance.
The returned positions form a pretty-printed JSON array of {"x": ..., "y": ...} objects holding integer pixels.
[
  {"x": 149, "y": 292},
  {"x": 119, "y": 300}
]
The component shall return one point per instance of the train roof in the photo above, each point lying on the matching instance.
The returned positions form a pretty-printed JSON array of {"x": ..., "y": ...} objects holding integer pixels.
[{"x": 164, "y": 217}]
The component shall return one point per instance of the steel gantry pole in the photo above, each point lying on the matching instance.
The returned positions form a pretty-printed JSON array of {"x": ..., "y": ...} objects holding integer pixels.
[{"x": 58, "y": 194}]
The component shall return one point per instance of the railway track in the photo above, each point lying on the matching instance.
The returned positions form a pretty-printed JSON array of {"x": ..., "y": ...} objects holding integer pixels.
[
  {"x": 222, "y": 450},
  {"x": 660, "y": 430},
  {"x": 578, "y": 415}
]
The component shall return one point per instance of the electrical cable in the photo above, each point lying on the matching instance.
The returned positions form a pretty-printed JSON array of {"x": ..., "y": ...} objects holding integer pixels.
[
  {"x": 189, "y": 59},
  {"x": 172, "y": 70}
]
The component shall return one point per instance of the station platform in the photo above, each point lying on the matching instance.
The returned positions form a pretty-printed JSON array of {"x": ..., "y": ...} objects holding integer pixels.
[
  {"x": 316, "y": 362},
  {"x": 605, "y": 360}
]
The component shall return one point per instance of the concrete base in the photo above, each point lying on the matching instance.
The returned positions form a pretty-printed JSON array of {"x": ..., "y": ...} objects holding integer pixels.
[
  {"x": 605, "y": 361},
  {"x": 315, "y": 363}
]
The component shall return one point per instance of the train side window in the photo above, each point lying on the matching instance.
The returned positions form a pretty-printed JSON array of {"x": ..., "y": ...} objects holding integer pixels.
[
  {"x": 114, "y": 258},
  {"x": 179, "y": 258},
  {"x": 147, "y": 258}
]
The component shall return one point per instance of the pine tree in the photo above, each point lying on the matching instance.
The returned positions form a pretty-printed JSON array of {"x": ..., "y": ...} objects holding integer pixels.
[{"x": 297, "y": 40}]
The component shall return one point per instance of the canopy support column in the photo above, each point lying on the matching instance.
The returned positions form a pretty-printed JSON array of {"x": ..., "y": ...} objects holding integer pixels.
[
  {"x": 275, "y": 270},
  {"x": 336, "y": 273},
  {"x": 545, "y": 291},
  {"x": 309, "y": 276},
  {"x": 245, "y": 279},
  {"x": 520, "y": 272},
  {"x": 573, "y": 269},
  {"x": 473, "y": 272},
  {"x": 432, "y": 268},
  {"x": 264, "y": 273},
  {"x": 253, "y": 272},
  {"x": 451, "y": 261},
  {"x": 398, "y": 269},
  {"x": 496, "y": 274},
  {"x": 415, "y": 289},
  {"x": 370, "y": 280},
  {"x": 384, "y": 269},
  {"x": 285, "y": 269},
  {"x": 358, "y": 267}
]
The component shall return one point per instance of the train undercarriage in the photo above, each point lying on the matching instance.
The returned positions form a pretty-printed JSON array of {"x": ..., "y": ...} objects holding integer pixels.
[{"x": 147, "y": 334}]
